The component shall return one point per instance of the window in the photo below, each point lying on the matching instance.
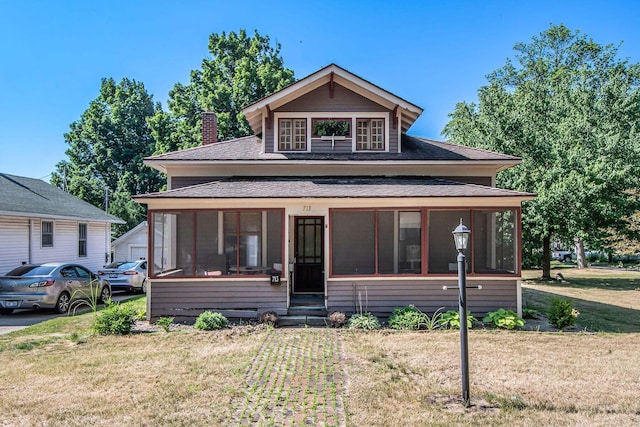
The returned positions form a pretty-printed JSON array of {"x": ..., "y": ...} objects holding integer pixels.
[
  {"x": 216, "y": 243},
  {"x": 442, "y": 250},
  {"x": 370, "y": 134},
  {"x": 47, "y": 234},
  {"x": 82, "y": 240},
  {"x": 331, "y": 127},
  {"x": 293, "y": 135},
  {"x": 382, "y": 242}
]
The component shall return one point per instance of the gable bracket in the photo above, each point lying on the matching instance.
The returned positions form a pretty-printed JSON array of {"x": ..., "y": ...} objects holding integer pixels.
[
  {"x": 331, "y": 85},
  {"x": 395, "y": 116},
  {"x": 268, "y": 117}
]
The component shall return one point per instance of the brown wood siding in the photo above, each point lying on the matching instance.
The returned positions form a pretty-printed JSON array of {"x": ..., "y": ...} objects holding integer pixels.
[
  {"x": 381, "y": 297},
  {"x": 479, "y": 180},
  {"x": 185, "y": 300},
  {"x": 186, "y": 181},
  {"x": 344, "y": 100}
]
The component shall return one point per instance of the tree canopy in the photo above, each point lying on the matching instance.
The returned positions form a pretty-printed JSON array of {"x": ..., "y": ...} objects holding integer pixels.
[
  {"x": 106, "y": 148},
  {"x": 240, "y": 71},
  {"x": 570, "y": 108}
]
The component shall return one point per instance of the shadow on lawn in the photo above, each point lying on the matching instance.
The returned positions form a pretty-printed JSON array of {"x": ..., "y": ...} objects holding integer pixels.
[{"x": 594, "y": 316}]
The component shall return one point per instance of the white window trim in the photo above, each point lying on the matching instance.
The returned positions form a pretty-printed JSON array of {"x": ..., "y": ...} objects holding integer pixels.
[
  {"x": 53, "y": 234},
  {"x": 353, "y": 115}
]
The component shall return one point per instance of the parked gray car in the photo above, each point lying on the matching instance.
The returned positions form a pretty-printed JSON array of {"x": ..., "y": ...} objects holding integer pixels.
[
  {"x": 126, "y": 275},
  {"x": 52, "y": 285}
]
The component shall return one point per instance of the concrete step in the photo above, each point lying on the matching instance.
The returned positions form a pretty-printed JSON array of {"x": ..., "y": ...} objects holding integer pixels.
[
  {"x": 303, "y": 320},
  {"x": 307, "y": 310}
]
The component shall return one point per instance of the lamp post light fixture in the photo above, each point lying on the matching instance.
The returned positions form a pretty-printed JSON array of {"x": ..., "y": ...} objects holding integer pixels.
[{"x": 461, "y": 237}]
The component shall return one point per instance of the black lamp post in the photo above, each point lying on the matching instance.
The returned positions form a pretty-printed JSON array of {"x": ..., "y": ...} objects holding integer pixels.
[{"x": 461, "y": 237}]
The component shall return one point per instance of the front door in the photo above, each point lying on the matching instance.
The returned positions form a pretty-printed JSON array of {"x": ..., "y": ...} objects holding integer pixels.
[{"x": 309, "y": 248}]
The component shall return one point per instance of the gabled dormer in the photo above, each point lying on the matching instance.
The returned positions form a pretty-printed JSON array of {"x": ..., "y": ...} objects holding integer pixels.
[{"x": 332, "y": 111}]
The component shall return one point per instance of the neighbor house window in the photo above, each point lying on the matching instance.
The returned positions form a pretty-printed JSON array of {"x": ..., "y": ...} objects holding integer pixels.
[
  {"x": 216, "y": 243},
  {"x": 293, "y": 135},
  {"x": 370, "y": 134},
  {"x": 47, "y": 234},
  {"x": 376, "y": 242},
  {"x": 82, "y": 240}
]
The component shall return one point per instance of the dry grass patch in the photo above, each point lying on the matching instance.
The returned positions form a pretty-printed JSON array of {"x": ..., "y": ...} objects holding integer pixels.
[
  {"x": 517, "y": 378},
  {"x": 181, "y": 378}
]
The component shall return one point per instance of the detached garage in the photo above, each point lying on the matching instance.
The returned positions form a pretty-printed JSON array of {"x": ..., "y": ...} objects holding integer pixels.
[{"x": 132, "y": 245}]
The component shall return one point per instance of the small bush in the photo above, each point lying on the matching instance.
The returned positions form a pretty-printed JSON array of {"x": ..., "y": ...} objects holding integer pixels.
[
  {"x": 451, "y": 320},
  {"x": 209, "y": 321},
  {"x": 270, "y": 318},
  {"x": 505, "y": 319},
  {"x": 409, "y": 318},
  {"x": 561, "y": 313},
  {"x": 165, "y": 323},
  {"x": 337, "y": 319},
  {"x": 115, "y": 319},
  {"x": 364, "y": 321},
  {"x": 530, "y": 313}
]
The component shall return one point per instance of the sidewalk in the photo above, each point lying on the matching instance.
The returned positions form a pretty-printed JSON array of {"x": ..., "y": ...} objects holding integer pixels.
[{"x": 296, "y": 379}]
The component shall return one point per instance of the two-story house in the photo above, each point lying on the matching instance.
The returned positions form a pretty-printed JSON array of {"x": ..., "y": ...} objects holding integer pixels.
[{"x": 332, "y": 193}]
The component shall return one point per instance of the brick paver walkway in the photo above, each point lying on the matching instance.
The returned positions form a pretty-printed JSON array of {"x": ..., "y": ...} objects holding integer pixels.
[{"x": 296, "y": 379}]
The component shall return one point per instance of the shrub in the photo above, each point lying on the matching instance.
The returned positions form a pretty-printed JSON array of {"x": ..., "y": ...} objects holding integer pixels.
[
  {"x": 270, "y": 318},
  {"x": 451, "y": 320},
  {"x": 530, "y": 313},
  {"x": 115, "y": 319},
  {"x": 561, "y": 313},
  {"x": 209, "y": 321},
  {"x": 408, "y": 317},
  {"x": 337, "y": 319},
  {"x": 165, "y": 323},
  {"x": 502, "y": 318},
  {"x": 364, "y": 321}
]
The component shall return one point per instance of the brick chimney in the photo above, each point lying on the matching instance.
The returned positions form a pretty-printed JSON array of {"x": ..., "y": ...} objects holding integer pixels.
[{"x": 209, "y": 127}]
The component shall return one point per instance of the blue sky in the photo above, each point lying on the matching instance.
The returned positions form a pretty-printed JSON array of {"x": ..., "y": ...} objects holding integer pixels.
[{"x": 432, "y": 53}]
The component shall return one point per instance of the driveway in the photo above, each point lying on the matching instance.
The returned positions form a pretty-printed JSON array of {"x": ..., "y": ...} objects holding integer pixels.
[{"x": 21, "y": 319}]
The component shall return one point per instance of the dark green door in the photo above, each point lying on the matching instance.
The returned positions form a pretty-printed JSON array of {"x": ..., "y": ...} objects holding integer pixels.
[{"x": 309, "y": 266}]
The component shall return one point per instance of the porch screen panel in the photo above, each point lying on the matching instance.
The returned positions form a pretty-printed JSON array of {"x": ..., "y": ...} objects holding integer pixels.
[
  {"x": 353, "y": 242},
  {"x": 386, "y": 245},
  {"x": 495, "y": 245},
  {"x": 231, "y": 239},
  {"x": 442, "y": 250},
  {"x": 274, "y": 238},
  {"x": 207, "y": 258},
  {"x": 172, "y": 247},
  {"x": 409, "y": 251}
]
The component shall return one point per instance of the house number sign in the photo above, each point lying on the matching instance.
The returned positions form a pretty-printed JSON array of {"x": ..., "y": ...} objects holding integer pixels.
[{"x": 306, "y": 208}]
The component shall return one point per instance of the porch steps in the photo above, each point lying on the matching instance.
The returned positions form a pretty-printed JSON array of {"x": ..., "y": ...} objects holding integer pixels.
[
  {"x": 300, "y": 315},
  {"x": 303, "y": 320}
]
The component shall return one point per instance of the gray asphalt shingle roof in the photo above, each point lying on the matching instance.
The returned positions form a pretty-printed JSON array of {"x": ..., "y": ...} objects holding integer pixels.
[
  {"x": 413, "y": 148},
  {"x": 22, "y": 195},
  {"x": 339, "y": 187}
]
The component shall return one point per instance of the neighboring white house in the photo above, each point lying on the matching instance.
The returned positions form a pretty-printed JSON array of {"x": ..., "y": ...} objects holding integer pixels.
[
  {"x": 132, "y": 245},
  {"x": 41, "y": 223}
]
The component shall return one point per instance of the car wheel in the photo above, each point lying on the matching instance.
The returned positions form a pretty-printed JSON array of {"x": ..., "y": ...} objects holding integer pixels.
[
  {"x": 567, "y": 258},
  {"x": 64, "y": 301},
  {"x": 6, "y": 310},
  {"x": 143, "y": 288},
  {"x": 105, "y": 294}
]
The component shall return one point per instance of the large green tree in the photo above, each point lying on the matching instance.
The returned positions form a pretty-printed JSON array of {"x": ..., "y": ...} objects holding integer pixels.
[
  {"x": 240, "y": 70},
  {"x": 570, "y": 108},
  {"x": 106, "y": 148}
]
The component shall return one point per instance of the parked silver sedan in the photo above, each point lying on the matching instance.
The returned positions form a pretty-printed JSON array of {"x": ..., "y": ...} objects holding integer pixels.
[
  {"x": 126, "y": 275},
  {"x": 52, "y": 285}
]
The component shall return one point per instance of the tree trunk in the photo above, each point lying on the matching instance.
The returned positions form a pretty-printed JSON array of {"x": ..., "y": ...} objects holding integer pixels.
[
  {"x": 546, "y": 257},
  {"x": 580, "y": 258}
]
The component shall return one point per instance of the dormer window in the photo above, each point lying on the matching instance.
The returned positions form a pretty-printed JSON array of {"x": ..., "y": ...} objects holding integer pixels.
[
  {"x": 293, "y": 135},
  {"x": 370, "y": 134}
]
